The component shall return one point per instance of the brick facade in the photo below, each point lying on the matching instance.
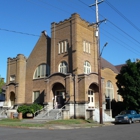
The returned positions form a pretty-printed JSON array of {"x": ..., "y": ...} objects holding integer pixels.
[{"x": 74, "y": 86}]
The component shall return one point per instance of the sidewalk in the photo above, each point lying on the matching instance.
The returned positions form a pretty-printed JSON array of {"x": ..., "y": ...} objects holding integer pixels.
[{"x": 73, "y": 126}]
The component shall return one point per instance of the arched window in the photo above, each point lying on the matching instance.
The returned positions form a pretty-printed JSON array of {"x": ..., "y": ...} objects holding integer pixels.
[
  {"x": 63, "y": 67},
  {"x": 109, "y": 90},
  {"x": 41, "y": 71},
  {"x": 87, "y": 67}
]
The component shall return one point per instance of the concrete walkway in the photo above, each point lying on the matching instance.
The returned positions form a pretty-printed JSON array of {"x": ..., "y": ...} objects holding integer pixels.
[{"x": 72, "y": 126}]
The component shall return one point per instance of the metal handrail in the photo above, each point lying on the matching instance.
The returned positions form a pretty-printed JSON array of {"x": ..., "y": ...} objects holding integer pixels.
[
  {"x": 47, "y": 113},
  {"x": 41, "y": 109},
  {"x": 4, "y": 110},
  {"x": 60, "y": 110}
]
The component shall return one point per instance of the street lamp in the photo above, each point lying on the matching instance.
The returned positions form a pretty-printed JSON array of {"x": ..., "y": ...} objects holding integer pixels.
[
  {"x": 99, "y": 83},
  {"x": 103, "y": 48}
]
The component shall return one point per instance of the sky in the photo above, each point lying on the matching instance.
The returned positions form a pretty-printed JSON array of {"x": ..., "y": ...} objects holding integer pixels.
[{"x": 22, "y": 21}]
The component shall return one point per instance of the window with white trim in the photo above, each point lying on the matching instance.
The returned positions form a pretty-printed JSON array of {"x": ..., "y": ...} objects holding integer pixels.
[
  {"x": 89, "y": 47},
  {"x": 41, "y": 71},
  {"x": 58, "y": 48},
  {"x": 87, "y": 67},
  {"x": 36, "y": 97},
  {"x": 91, "y": 98},
  {"x": 86, "y": 46},
  {"x": 62, "y": 47},
  {"x": 109, "y": 90},
  {"x": 63, "y": 67},
  {"x": 66, "y": 46}
]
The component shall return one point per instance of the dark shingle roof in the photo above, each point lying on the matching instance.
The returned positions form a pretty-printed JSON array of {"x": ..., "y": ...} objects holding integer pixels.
[
  {"x": 106, "y": 64},
  {"x": 118, "y": 67}
]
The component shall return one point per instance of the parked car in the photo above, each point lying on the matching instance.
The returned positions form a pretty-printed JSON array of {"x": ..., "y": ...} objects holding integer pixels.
[{"x": 127, "y": 116}]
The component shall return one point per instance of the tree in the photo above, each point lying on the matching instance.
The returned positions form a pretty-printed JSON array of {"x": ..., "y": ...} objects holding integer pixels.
[
  {"x": 1, "y": 84},
  {"x": 128, "y": 83}
]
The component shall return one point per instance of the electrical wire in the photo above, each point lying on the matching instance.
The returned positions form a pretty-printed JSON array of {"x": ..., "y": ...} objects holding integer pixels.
[
  {"x": 122, "y": 15},
  {"x": 129, "y": 49},
  {"x": 116, "y": 26},
  {"x": 124, "y": 32},
  {"x": 18, "y": 32},
  {"x": 67, "y": 12},
  {"x": 119, "y": 40}
]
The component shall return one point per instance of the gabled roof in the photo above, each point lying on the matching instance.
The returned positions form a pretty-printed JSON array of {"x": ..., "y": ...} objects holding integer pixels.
[
  {"x": 118, "y": 67},
  {"x": 106, "y": 64}
]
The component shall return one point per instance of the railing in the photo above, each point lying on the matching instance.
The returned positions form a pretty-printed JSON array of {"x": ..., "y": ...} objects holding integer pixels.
[
  {"x": 47, "y": 113},
  {"x": 40, "y": 110},
  {"x": 59, "y": 113},
  {"x": 3, "y": 111}
]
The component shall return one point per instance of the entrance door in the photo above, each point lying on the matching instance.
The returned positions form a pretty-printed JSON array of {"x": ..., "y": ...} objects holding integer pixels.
[
  {"x": 90, "y": 98},
  {"x": 12, "y": 98},
  {"x": 59, "y": 99}
]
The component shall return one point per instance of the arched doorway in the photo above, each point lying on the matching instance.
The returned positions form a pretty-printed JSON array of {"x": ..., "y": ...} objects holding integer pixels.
[
  {"x": 12, "y": 98},
  {"x": 59, "y": 96},
  {"x": 92, "y": 96}
]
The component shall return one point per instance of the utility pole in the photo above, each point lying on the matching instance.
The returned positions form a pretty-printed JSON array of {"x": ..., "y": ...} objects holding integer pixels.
[{"x": 99, "y": 60}]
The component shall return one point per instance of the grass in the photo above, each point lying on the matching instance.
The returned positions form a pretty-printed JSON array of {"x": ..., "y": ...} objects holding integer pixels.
[{"x": 19, "y": 123}]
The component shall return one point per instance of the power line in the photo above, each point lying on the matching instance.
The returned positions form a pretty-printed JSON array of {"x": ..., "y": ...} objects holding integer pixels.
[
  {"x": 78, "y": 7},
  {"x": 67, "y": 12},
  {"x": 124, "y": 32},
  {"x": 48, "y": 8},
  {"x": 120, "y": 33},
  {"x": 54, "y": 6},
  {"x": 122, "y": 15},
  {"x": 115, "y": 25},
  {"x": 18, "y": 32},
  {"x": 132, "y": 49}
]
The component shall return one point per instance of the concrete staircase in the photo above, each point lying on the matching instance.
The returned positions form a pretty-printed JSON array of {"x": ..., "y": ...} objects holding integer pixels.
[
  {"x": 106, "y": 117},
  {"x": 52, "y": 114},
  {"x": 45, "y": 116}
]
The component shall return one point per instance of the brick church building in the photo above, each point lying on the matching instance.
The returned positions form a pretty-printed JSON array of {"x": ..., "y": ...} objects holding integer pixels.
[{"x": 62, "y": 70}]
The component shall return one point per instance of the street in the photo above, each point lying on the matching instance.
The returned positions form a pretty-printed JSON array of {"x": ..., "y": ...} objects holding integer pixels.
[{"x": 114, "y": 132}]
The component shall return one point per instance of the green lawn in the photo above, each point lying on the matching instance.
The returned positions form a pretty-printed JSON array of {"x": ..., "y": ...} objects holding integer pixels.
[{"x": 19, "y": 123}]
